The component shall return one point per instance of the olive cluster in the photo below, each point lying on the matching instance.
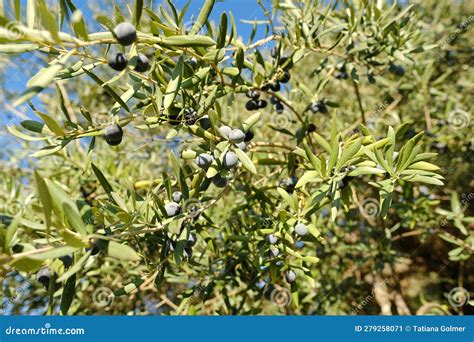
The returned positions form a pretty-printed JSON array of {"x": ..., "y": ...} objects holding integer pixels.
[
  {"x": 126, "y": 34},
  {"x": 229, "y": 159},
  {"x": 300, "y": 229},
  {"x": 188, "y": 249},
  {"x": 319, "y": 106},
  {"x": 255, "y": 102}
]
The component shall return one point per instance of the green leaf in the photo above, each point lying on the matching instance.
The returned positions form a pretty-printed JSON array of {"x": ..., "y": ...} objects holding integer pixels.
[
  {"x": 251, "y": 121},
  {"x": 198, "y": 77},
  {"x": 31, "y": 13},
  {"x": 222, "y": 31},
  {"x": 290, "y": 200},
  {"x": 202, "y": 17},
  {"x": 17, "y": 48},
  {"x": 74, "y": 218},
  {"x": 78, "y": 25},
  {"x": 315, "y": 162},
  {"x": 422, "y": 165},
  {"x": 308, "y": 177},
  {"x": 322, "y": 142},
  {"x": 386, "y": 192},
  {"x": 43, "y": 78},
  {"x": 406, "y": 153},
  {"x": 366, "y": 170},
  {"x": 52, "y": 253},
  {"x": 48, "y": 20},
  {"x": 10, "y": 233},
  {"x": 33, "y": 126},
  {"x": 103, "y": 181},
  {"x": 108, "y": 89},
  {"x": 137, "y": 12},
  {"x": 173, "y": 86},
  {"x": 51, "y": 123},
  {"x": 348, "y": 153},
  {"x": 45, "y": 199},
  {"x": 26, "y": 264},
  {"x": 424, "y": 179},
  {"x": 75, "y": 268},
  {"x": 188, "y": 41},
  {"x": 68, "y": 294},
  {"x": 246, "y": 162},
  {"x": 122, "y": 252}
]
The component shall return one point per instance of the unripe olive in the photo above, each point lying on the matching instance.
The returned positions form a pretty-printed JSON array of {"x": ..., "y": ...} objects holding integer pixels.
[
  {"x": 242, "y": 146},
  {"x": 271, "y": 239},
  {"x": 342, "y": 75},
  {"x": 192, "y": 240},
  {"x": 275, "y": 86},
  {"x": 44, "y": 276},
  {"x": 301, "y": 229},
  {"x": 285, "y": 77},
  {"x": 299, "y": 244},
  {"x": 236, "y": 136},
  {"x": 251, "y": 105},
  {"x": 67, "y": 260},
  {"x": 177, "y": 196},
  {"x": 125, "y": 33},
  {"x": 219, "y": 181},
  {"x": 290, "y": 276},
  {"x": 204, "y": 160},
  {"x": 188, "y": 252},
  {"x": 224, "y": 131},
  {"x": 311, "y": 128},
  {"x": 253, "y": 94},
  {"x": 230, "y": 160},
  {"x": 322, "y": 107},
  {"x": 248, "y": 136},
  {"x": 396, "y": 69},
  {"x": 314, "y": 107},
  {"x": 118, "y": 61},
  {"x": 172, "y": 209},
  {"x": 261, "y": 103},
  {"x": 279, "y": 107},
  {"x": 190, "y": 116},
  {"x": 205, "y": 122},
  {"x": 113, "y": 134},
  {"x": 143, "y": 64}
]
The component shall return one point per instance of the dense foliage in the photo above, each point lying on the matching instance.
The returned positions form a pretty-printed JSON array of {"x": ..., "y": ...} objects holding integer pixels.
[{"x": 159, "y": 165}]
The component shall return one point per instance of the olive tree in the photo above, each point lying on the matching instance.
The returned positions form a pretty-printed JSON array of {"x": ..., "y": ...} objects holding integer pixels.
[{"x": 175, "y": 168}]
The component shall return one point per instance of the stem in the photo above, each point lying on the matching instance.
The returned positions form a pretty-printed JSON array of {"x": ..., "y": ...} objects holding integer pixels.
[{"x": 359, "y": 101}]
